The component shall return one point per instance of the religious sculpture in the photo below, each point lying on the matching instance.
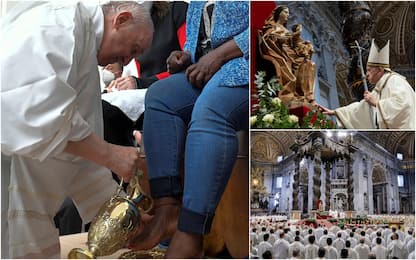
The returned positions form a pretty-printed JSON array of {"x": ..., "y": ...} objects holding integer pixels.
[
  {"x": 357, "y": 25},
  {"x": 340, "y": 204},
  {"x": 291, "y": 57}
]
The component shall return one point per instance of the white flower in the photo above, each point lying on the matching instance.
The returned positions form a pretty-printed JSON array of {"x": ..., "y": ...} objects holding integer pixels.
[
  {"x": 268, "y": 118},
  {"x": 253, "y": 120},
  {"x": 276, "y": 101},
  {"x": 263, "y": 110},
  {"x": 293, "y": 119}
]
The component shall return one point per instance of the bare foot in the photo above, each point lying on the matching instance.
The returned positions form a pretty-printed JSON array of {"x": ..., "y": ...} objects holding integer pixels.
[
  {"x": 162, "y": 225},
  {"x": 185, "y": 245}
]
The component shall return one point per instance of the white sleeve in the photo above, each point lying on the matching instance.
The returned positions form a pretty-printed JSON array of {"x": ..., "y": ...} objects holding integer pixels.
[
  {"x": 396, "y": 107},
  {"x": 38, "y": 107},
  {"x": 354, "y": 116}
]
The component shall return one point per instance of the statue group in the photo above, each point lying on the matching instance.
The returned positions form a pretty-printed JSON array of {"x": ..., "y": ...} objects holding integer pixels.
[{"x": 291, "y": 58}]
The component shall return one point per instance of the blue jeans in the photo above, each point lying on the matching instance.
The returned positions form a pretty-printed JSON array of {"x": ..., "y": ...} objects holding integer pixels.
[{"x": 200, "y": 126}]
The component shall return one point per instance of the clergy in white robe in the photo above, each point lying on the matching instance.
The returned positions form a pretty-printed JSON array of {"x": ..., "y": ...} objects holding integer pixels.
[
  {"x": 264, "y": 246},
  {"x": 396, "y": 249},
  {"x": 296, "y": 245},
  {"x": 380, "y": 250},
  {"x": 52, "y": 118},
  {"x": 395, "y": 106},
  {"x": 390, "y": 105},
  {"x": 311, "y": 249},
  {"x": 362, "y": 249},
  {"x": 280, "y": 248}
]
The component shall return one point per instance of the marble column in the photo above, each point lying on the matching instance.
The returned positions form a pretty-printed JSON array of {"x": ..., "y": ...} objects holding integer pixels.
[
  {"x": 384, "y": 199},
  {"x": 370, "y": 187},
  {"x": 327, "y": 185},
  {"x": 350, "y": 185},
  {"x": 295, "y": 185},
  {"x": 317, "y": 146}
]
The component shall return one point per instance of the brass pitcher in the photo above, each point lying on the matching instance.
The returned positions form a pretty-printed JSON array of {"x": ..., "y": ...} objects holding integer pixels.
[{"x": 117, "y": 222}]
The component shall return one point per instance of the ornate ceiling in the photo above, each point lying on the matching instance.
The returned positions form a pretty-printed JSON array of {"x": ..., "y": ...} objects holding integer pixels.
[
  {"x": 395, "y": 21},
  {"x": 267, "y": 145},
  {"x": 390, "y": 20},
  {"x": 395, "y": 142}
]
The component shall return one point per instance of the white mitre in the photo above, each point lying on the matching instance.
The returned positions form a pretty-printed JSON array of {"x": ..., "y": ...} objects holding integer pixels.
[{"x": 377, "y": 57}]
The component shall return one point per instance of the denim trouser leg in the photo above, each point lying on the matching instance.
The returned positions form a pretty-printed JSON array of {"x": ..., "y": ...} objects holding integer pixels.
[
  {"x": 210, "y": 152},
  {"x": 211, "y": 143},
  {"x": 168, "y": 107}
]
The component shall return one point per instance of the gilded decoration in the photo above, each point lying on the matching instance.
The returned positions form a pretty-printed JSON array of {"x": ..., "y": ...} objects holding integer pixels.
[{"x": 263, "y": 149}]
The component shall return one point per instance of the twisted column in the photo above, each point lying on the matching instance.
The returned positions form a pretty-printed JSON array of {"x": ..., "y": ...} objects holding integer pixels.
[
  {"x": 317, "y": 146},
  {"x": 295, "y": 185},
  {"x": 327, "y": 186},
  {"x": 350, "y": 185}
]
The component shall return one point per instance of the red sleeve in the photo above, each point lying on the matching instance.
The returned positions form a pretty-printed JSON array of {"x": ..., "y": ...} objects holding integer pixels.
[
  {"x": 181, "y": 32},
  {"x": 162, "y": 75},
  {"x": 182, "y": 35},
  {"x": 138, "y": 67}
]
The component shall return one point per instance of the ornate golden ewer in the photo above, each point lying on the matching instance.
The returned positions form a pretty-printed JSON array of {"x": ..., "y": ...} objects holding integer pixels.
[{"x": 117, "y": 222}]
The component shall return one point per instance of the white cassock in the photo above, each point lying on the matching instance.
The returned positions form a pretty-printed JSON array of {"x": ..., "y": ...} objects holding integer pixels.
[
  {"x": 281, "y": 249},
  {"x": 396, "y": 249},
  {"x": 262, "y": 247},
  {"x": 55, "y": 100},
  {"x": 331, "y": 252},
  {"x": 362, "y": 251},
  {"x": 296, "y": 245},
  {"x": 311, "y": 251},
  {"x": 380, "y": 251},
  {"x": 395, "y": 108}
]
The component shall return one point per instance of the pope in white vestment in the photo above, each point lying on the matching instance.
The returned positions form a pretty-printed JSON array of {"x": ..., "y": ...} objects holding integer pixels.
[
  {"x": 50, "y": 96},
  {"x": 390, "y": 105},
  {"x": 395, "y": 108}
]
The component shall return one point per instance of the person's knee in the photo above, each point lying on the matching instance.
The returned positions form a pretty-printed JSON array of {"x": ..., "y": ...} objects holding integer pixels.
[
  {"x": 209, "y": 111},
  {"x": 171, "y": 95},
  {"x": 153, "y": 92},
  {"x": 157, "y": 94}
]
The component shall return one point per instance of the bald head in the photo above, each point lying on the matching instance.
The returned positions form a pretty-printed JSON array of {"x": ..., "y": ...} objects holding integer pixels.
[
  {"x": 128, "y": 32},
  {"x": 140, "y": 12}
]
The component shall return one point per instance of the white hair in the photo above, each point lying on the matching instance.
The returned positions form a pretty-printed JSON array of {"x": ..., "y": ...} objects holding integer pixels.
[{"x": 140, "y": 12}]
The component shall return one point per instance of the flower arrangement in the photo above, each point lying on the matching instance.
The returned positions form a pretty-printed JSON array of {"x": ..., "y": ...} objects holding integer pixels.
[
  {"x": 270, "y": 112},
  {"x": 317, "y": 120}
]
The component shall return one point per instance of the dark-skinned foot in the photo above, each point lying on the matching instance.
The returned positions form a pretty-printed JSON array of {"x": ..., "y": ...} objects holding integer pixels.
[
  {"x": 185, "y": 245},
  {"x": 162, "y": 225}
]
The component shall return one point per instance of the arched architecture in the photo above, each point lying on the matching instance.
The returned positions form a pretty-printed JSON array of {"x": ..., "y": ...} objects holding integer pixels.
[{"x": 363, "y": 172}]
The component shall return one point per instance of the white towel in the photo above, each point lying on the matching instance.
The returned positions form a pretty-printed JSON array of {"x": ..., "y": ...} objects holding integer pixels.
[{"x": 130, "y": 101}]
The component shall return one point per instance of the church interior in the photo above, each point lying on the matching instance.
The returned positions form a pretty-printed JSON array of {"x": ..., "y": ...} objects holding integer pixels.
[
  {"x": 350, "y": 187},
  {"x": 346, "y": 179},
  {"x": 332, "y": 27}
]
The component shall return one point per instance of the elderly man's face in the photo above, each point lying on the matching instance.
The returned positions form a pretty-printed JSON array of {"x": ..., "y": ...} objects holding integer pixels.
[
  {"x": 374, "y": 74},
  {"x": 124, "y": 40}
]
